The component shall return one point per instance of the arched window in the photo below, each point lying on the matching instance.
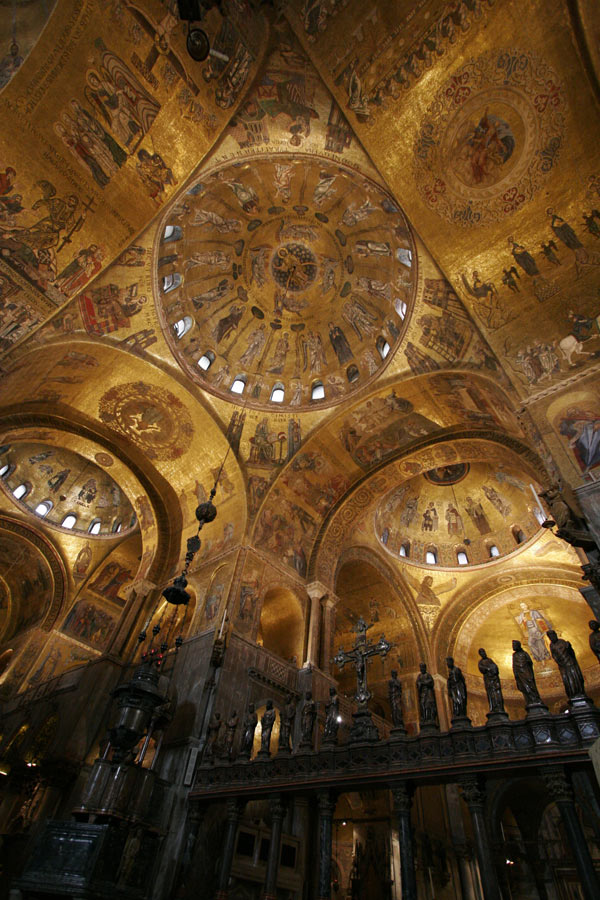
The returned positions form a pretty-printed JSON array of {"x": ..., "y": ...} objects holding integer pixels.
[
  {"x": 540, "y": 515},
  {"x": 206, "y": 360},
  {"x": 405, "y": 549},
  {"x": 400, "y": 307},
  {"x": 5, "y": 470},
  {"x": 462, "y": 558},
  {"x": 133, "y": 521},
  {"x": 43, "y": 508},
  {"x": 117, "y": 525},
  {"x": 493, "y": 551},
  {"x": 431, "y": 557},
  {"x": 172, "y": 233},
  {"x": 182, "y": 326},
  {"x": 352, "y": 373},
  {"x": 21, "y": 491},
  {"x": 239, "y": 384},
  {"x": 95, "y": 526},
  {"x": 518, "y": 534},
  {"x": 69, "y": 521},
  {"x": 383, "y": 347},
  {"x": 170, "y": 282},
  {"x": 317, "y": 391},
  {"x": 278, "y": 393}
]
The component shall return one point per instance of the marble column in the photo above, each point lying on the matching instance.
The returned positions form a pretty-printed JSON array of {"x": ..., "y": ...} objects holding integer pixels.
[
  {"x": 329, "y": 604},
  {"x": 326, "y": 810},
  {"x": 234, "y": 812},
  {"x": 475, "y": 800},
  {"x": 560, "y": 791},
  {"x": 402, "y": 799},
  {"x": 278, "y": 810},
  {"x": 465, "y": 873},
  {"x": 316, "y": 591}
]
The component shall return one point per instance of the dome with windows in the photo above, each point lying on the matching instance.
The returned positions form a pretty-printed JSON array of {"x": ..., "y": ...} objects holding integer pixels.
[
  {"x": 65, "y": 489},
  {"x": 287, "y": 281},
  {"x": 459, "y": 515}
]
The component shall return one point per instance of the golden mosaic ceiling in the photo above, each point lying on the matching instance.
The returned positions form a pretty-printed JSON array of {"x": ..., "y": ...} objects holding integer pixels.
[
  {"x": 60, "y": 483},
  {"x": 239, "y": 197},
  {"x": 284, "y": 272},
  {"x": 463, "y": 507}
]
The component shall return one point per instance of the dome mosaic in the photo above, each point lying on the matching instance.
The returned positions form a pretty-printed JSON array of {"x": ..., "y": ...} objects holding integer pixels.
[
  {"x": 66, "y": 489},
  {"x": 457, "y": 515},
  {"x": 287, "y": 280}
]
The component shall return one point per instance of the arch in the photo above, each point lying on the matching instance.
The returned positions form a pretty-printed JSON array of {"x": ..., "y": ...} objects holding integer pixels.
[
  {"x": 558, "y": 584},
  {"x": 32, "y": 540},
  {"x": 281, "y": 624},
  {"x": 363, "y": 589},
  {"x": 488, "y": 418},
  {"x": 370, "y": 557},
  {"x": 163, "y": 546}
]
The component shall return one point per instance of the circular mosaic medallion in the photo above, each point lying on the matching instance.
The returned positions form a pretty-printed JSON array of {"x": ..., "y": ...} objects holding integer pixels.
[
  {"x": 286, "y": 274},
  {"x": 294, "y": 267},
  {"x": 445, "y": 475},
  {"x": 151, "y": 417},
  {"x": 489, "y": 139}
]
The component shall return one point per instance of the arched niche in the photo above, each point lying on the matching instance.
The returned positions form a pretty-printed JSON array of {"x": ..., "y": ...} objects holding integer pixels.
[
  {"x": 364, "y": 590},
  {"x": 281, "y": 626}
]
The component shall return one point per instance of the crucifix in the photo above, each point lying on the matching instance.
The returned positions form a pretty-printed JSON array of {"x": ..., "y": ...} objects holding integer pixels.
[{"x": 363, "y": 727}]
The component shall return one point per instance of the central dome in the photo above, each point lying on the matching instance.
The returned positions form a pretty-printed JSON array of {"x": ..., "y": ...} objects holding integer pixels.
[{"x": 289, "y": 279}]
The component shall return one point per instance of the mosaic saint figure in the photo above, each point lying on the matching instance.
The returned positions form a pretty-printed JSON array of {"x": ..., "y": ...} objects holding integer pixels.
[
  {"x": 536, "y": 625},
  {"x": 340, "y": 344}
]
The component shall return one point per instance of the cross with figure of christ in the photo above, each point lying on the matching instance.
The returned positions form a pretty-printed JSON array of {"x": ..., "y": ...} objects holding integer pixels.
[{"x": 358, "y": 656}]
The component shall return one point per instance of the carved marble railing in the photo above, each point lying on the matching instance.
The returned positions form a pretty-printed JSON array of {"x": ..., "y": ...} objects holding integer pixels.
[{"x": 432, "y": 756}]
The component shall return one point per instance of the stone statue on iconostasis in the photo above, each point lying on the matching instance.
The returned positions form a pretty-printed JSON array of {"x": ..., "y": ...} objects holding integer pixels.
[{"x": 493, "y": 687}]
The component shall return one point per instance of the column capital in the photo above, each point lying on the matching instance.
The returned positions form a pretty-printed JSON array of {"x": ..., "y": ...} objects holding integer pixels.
[
  {"x": 329, "y": 602},
  {"x": 402, "y": 797},
  {"x": 472, "y": 791},
  {"x": 316, "y": 590},
  {"x": 277, "y": 807},
  {"x": 234, "y": 809},
  {"x": 327, "y": 801},
  {"x": 140, "y": 588},
  {"x": 557, "y": 784}
]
